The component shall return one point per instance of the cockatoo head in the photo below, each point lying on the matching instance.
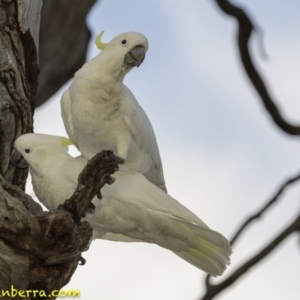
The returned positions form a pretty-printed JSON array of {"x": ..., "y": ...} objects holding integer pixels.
[
  {"x": 32, "y": 149},
  {"x": 127, "y": 50}
]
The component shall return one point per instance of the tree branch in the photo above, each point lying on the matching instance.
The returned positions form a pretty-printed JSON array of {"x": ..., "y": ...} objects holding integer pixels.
[
  {"x": 244, "y": 33},
  {"x": 265, "y": 207},
  {"x": 90, "y": 181},
  {"x": 213, "y": 290},
  {"x": 217, "y": 288}
]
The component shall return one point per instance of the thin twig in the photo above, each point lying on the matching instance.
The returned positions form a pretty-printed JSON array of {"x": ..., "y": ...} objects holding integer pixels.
[
  {"x": 244, "y": 33},
  {"x": 265, "y": 207},
  {"x": 213, "y": 290},
  {"x": 259, "y": 214}
]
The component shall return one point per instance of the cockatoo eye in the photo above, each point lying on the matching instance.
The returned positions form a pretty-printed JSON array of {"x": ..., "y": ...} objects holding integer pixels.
[
  {"x": 27, "y": 150},
  {"x": 124, "y": 42}
]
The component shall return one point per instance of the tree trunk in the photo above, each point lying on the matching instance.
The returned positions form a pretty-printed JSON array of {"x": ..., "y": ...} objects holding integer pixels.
[
  {"x": 19, "y": 25},
  {"x": 39, "y": 251}
]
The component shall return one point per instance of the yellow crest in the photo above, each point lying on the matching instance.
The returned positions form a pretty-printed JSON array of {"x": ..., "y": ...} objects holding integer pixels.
[{"x": 98, "y": 41}]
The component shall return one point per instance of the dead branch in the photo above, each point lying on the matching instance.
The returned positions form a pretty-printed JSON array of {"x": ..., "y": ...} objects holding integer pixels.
[
  {"x": 213, "y": 290},
  {"x": 244, "y": 33},
  {"x": 272, "y": 201},
  {"x": 90, "y": 181}
]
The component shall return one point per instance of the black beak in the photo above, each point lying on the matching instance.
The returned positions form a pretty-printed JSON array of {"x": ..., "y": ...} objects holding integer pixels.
[
  {"x": 135, "y": 56},
  {"x": 18, "y": 160}
]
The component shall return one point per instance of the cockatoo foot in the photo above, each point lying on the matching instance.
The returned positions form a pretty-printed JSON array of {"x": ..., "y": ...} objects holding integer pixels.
[
  {"x": 120, "y": 160},
  {"x": 82, "y": 261},
  {"x": 111, "y": 180},
  {"x": 99, "y": 195},
  {"x": 91, "y": 209}
]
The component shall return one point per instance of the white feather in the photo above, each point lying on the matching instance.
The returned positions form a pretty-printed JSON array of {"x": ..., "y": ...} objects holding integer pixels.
[
  {"x": 101, "y": 113},
  {"x": 132, "y": 208}
]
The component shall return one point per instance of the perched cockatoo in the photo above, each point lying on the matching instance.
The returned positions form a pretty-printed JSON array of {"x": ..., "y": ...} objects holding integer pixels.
[
  {"x": 131, "y": 209},
  {"x": 101, "y": 113}
]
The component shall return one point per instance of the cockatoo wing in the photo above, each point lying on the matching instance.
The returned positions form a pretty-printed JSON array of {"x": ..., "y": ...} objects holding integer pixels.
[
  {"x": 142, "y": 131},
  {"x": 106, "y": 115},
  {"x": 66, "y": 114},
  {"x": 137, "y": 209},
  {"x": 135, "y": 189},
  {"x": 132, "y": 209}
]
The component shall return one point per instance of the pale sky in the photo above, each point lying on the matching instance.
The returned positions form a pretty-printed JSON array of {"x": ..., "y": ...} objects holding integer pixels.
[{"x": 222, "y": 155}]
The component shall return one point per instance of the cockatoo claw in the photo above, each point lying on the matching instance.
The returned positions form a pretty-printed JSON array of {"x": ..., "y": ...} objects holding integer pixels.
[
  {"x": 120, "y": 160},
  {"x": 111, "y": 180},
  {"x": 91, "y": 209},
  {"x": 99, "y": 195},
  {"x": 82, "y": 261}
]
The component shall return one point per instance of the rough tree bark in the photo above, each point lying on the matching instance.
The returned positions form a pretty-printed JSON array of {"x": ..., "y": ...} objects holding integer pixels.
[
  {"x": 19, "y": 23},
  {"x": 38, "y": 250}
]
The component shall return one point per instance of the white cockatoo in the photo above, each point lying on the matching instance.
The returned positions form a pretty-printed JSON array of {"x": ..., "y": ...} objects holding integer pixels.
[
  {"x": 101, "y": 113},
  {"x": 132, "y": 209}
]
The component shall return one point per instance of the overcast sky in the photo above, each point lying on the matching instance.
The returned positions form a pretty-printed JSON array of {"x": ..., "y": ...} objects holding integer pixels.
[{"x": 222, "y": 155}]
